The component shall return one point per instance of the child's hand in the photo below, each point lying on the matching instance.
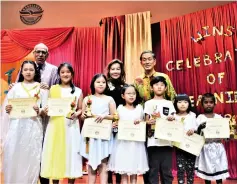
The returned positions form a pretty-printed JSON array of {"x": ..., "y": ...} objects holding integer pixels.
[
  {"x": 137, "y": 122},
  {"x": 190, "y": 132},
  {"x": 99, "y": 118},
  {"x": 8, "y": 108},
  {"x": 44, "y": 85},
  {"x": 170, "y": 118},
  {"x": 115, "y": 124},
  {"x": 36, "y": 108},
  {"x": 11, "y": 85},
  {"x": 45, "y": 110},
  {"x": 151, "y": 121}
]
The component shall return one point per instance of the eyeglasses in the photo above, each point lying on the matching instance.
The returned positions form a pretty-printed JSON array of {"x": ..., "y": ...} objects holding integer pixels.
[
  {"x": 130, "y": 93},
  {"x": 41, "y": 51}
]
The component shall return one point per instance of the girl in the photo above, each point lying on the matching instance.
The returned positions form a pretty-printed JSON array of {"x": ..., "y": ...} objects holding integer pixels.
[
  {"x": 185, "y": 161},
  {"x": 102, "y": 107},
  {"x": 60, "y": 158},
  {"x": 129, "y": 158},
  {"x": 23, "y": 146},
  {"x": 212, "y": 163},
  {"x": 116, "y": 80}
]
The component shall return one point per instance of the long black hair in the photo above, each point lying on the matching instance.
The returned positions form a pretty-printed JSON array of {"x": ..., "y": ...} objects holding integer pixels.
[
  {"x": 37, "y": 77},
  {"x": 138, "y": 98},
  {"x": 92, "y": 86},
  {"x": 121, "y": 79},
  {"x": 69, "y": 66}
]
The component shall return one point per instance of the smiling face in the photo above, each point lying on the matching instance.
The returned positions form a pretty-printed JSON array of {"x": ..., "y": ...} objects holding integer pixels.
[
  {"x": 115, "y": 71},
  {"x": 129, "y": 95},
  {"x": 65, "y": 75},
  {"x": 148, "y": 62},
  {"x": 100, "y": 85},
  {"x": 28, "y": 72},
  {"x": 182, "y": 105}
]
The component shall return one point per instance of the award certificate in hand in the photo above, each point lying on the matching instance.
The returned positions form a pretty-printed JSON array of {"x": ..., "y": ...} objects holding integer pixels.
[
  {"x": 59, "y": 106},
  {"x": 169, "y": 130},
  {"x": 96, "y": 130},
  {"x": 217, "y": 128},
  {"x": 192, "y": 144},
  {"x": 22, "y": 107},
  {"x": 127, "y": 130}
]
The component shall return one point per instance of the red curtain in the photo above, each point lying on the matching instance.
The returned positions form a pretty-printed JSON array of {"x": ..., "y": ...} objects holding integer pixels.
[
  {"x": 113, "y": 35},
  {"x": 177, "y": 45},
  {"x": 16, "y": 44},
  {"x": 88, "y": 56}
]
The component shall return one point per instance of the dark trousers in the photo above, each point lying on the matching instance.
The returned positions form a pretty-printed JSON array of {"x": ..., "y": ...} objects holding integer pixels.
[
  {"x": 160, "y": 161},
  {"x": 185, "y": 164},
  {"x": 110, "y": 178}
]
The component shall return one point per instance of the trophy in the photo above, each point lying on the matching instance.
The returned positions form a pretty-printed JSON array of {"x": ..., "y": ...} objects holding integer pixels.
[
  {"x": 72, "y": 110},
  {"x": 232, "y": 127},
  {"x": 115, "y": 119},
  {"x": 154, "y": 115},
  {"x": 88, "y": 107}
]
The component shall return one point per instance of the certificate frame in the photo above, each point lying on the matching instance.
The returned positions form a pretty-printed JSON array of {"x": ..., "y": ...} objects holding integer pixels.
[
  {"x": 169, "y": 130},
  {"x": 59, "y": 106},
  {"x": 92, "y": 129},
  {"x": 22, "y": 107},
  {"x": 192, "y": 144},
  {"x": 128, "y": 131},
  {"x": 217, "y": 128}
]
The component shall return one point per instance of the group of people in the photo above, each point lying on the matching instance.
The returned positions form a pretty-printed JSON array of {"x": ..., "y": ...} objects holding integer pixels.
[{"x": 53, "y": 147}]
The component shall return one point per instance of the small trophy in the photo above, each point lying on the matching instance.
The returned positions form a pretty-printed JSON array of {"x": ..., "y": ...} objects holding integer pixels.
[
  {"x": 154, "y": 115},
  {"x": 88, "y": 107},
  {"x": 232, "y": 127},
  {"x": 115, "y": 119},
  {"x": 72, "y": 110}
]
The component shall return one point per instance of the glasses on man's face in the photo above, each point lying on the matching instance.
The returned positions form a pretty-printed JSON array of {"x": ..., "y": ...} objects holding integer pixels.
[
  {"x": 41, "y": 51},
  {"x": 147, "y": 59}
]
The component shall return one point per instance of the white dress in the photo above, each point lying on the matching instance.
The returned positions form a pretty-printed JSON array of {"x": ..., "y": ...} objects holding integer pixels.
[
  {"x": 72, "y": 140},
  {"x": 23, "y": 145},
  {"x": 98, "y": 149},
  {"x": 212, "y": 162},
  {"x": 129, "y": 157}
]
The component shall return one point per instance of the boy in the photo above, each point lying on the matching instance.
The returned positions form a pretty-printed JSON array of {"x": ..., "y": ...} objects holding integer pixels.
[{"x": 159, "y": 151}]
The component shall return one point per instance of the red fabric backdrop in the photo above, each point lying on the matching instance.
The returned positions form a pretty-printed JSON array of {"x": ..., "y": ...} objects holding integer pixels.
[{"x": 176, "y": 45}]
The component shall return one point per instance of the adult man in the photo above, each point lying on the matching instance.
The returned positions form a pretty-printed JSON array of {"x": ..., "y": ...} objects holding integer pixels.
[
  {"x": 49, "y": 77},
  {"x": 142, "y": 84}
]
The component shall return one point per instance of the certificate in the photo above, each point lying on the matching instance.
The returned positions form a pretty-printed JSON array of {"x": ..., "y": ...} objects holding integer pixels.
[
  {"x": 127, "y": 130},
  {"x": 22, "y": 107},
  {"x": 192, "y": 144},
  {"x": 59, "y": 106},
  {"x": 169, "y": 130},
  {"x": 217, "y": 128},
  {"x": 96, "y": 130}
]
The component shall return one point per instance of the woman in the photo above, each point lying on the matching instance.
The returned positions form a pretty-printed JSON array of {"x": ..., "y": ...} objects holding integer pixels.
[{"x": 116, "y": 81}]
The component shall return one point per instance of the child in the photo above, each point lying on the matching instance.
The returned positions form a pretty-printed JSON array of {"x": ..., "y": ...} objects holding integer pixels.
[
  {"x": 159, "y": 151},
  {"x": 23, "y": 145},
  {"x": 60, "y": 157},
  {"x": 185, "y": 161},
  {"x": 129, "y": 157},
  {"x": 212, "y": 163},
  {"x": 102, "y": 107}
]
